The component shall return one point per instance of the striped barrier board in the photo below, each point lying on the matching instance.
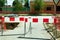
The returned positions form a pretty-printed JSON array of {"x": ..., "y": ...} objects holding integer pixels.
[
  {"x": 32, "y": 19},
  {"x": 49, "y": 19}
]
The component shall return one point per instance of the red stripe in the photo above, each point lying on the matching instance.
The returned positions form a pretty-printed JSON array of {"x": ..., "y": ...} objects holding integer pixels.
[
  {"x": 12, "y": 19},
  {"x": 26, "y": 20},
  {"x": 3, "y": 19},
  {"x": 0, "y": 19},
  {"x": 45, "y": 20},
  {"x": 21, "y": 19},
  {"x": 55, "y": 20},
  {"x": 35, "y": 19}
]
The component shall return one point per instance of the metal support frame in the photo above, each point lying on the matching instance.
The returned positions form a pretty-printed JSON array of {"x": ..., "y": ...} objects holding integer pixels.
[
  {"x": 13, "y": 34},
  {"x": 24, "y": 29},
  {"x": 30, "y": 30}
]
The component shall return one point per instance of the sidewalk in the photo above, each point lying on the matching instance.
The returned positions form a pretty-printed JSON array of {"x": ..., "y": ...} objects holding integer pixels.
[{"x": 37, "y": 32}]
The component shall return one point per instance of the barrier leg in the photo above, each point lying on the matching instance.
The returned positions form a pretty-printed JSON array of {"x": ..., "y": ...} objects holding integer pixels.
[
  {"x": 24, "y": 29},
  {"x": 30, "y": 28},
  {"x": 4, "y": 26}
]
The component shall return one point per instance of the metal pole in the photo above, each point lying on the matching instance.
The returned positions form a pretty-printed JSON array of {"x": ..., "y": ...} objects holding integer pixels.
[
  {"x": 30, "y": 28},
  {"x": 55, "y": 24},
  {"x": 2, "y": 29},
  {"x": 24, "y": 29}
]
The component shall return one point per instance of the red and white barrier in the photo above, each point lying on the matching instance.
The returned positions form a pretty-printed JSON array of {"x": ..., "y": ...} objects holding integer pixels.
[{"x": 33, "y": 19}]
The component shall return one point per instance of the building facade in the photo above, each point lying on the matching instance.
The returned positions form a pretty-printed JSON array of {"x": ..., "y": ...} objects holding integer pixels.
[{"x": 48, "y": 7}]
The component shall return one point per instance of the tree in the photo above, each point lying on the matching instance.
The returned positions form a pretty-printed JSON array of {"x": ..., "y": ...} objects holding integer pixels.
[
  {"x": 17, "y": 6},
  {"x": 26, "y": 4},
  {"x": 38, "y": 6},
  {"x": 2, "y": 3}
]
